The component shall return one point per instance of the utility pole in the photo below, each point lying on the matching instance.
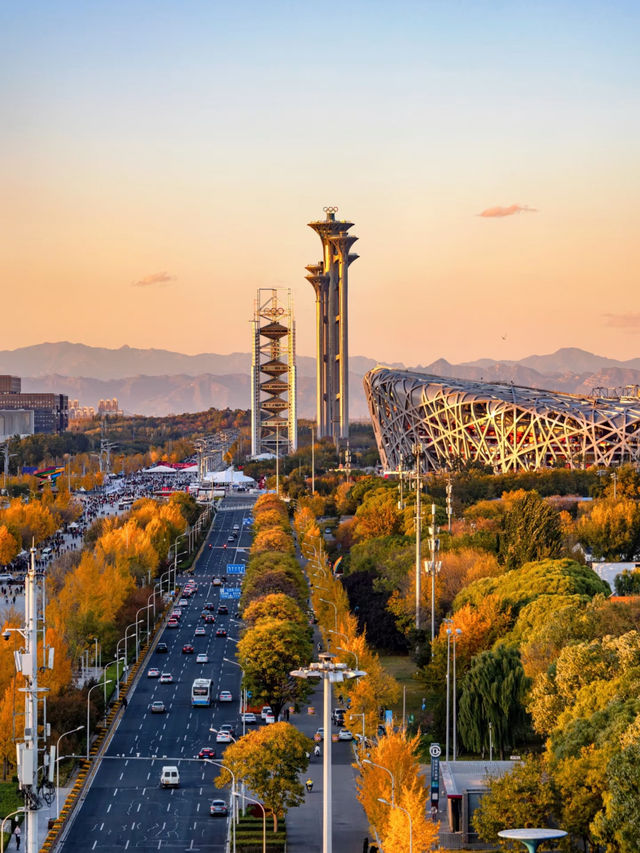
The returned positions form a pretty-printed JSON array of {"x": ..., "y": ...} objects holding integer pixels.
[
  {"x": 313, "y": 462},
  {"x": 449, "y": 502},
  {"x": 26, "y": 662},
  {"x": 417, "y": 451},
  {"x": 433, "y": 566}
]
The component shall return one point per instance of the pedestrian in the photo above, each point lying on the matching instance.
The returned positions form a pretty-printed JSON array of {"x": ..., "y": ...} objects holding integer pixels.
[
  {"x": 124, "y": 702},
  {"x": 17, "y": 833}
]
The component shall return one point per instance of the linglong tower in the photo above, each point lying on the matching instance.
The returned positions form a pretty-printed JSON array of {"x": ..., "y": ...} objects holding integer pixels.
[
  {"x": 274, "y": 426},
  {"x": 330, "y": 280}
]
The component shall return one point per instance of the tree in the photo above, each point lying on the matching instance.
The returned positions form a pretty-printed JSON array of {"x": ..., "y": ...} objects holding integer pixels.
[
  {"x": 618, "y": 826},
  {"x": 270, "y": 761},
  {"x": 531, "y": 531},
  {"x": 274, "y": 606},
  {"x": 612, "y": 528},
  {"x": 267, "y": 653},
  {"x": 378, "y": 515},
  {"x": 271, "y": 582},
  {"x": 8, "y": 546},
  {"x": 523, "y": 797},
  {"x": 493, "y": 691},
  {"x": 272, "y": 539}
]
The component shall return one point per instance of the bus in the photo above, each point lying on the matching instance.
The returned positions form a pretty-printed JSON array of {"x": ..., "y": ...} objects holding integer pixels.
[{"x": 201, "y": 692}]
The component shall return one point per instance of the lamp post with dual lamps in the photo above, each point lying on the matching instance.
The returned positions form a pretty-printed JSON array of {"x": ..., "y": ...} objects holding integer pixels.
[
  {"x": 64, "y": 734},
  {"x": 330, "y": 673},
  {"x": 4, "y": 820},
  {"x": 335, "y": 609},
  {"x": 381, "y": 800},
  {"x": 391, "y": 776},
  {"x": 124, "y": 640},
  {"x": 457, "y": 633},
  {"x": 264, "y": 817},
  {"x": 139, "y": 622}
]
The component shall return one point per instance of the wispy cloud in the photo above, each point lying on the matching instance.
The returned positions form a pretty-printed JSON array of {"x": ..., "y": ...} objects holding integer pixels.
[
  {"x": 493, "y": 212},
  {"x": 154, "y": 278},
  {"x": 630, "y": 322}
]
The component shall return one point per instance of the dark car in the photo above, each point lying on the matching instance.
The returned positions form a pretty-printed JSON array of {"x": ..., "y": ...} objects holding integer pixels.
[
  {"x": 187, "y": 649},
  {"x": 207, "y": 752},
  {"x": 209, "y": 606},
  {"x": 209, "y": 618},
  {"x": 221, "y": 632},
  {"x": 223, "y": 610},
  {"x": 162, "y": 648},
  {"x": 218, "y": 808}
]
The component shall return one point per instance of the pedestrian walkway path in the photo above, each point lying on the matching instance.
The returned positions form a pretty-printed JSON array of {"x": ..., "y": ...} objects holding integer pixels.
[{"x": 304, "y": 823}]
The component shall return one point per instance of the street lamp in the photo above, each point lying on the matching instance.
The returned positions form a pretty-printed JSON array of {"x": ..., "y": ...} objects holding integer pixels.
[
  {"x": 380, "y": 800},
  {"x": 330, "y": 673},
  {"x": 4, "y": 820},
  {"x": 335, "y": 610},
  {"x": 264, "y": 818},
  {"x": 139, "y": 622},
  {"x": 70, "y": 732},
  {"x": 233, "y": 794},
  {"x": 447, "y": 683},
  {"x": 351, "y": 716},
  {"x": 106, "y": 670},
  {"x": 417, "y": 450},
  {"x": 349, "y": 652},
  {"x": 392, "y": 777},
  {"x": 456, "y": 634},
  {"x": 95, "y": 686}
]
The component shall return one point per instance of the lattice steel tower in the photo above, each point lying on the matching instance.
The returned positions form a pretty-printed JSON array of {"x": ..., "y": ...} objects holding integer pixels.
[
  {"x": 330, "y": 281},
  {"x": 274, "y": 425}
]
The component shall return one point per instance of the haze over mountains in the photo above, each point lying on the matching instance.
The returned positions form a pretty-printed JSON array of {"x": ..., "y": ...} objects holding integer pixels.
[{"x": 160, "y": 382}]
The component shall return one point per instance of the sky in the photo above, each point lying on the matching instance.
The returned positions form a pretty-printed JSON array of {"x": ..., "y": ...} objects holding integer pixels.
[{"x": 159, "y": 162}]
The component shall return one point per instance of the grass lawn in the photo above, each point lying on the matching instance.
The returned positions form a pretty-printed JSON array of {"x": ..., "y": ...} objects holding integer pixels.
[
  {"x": 10, "y": 800},
  {"x": 403, "y": 669}
]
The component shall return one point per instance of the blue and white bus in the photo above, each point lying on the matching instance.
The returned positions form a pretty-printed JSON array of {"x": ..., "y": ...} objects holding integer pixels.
[{"x": 201, "y": 692}]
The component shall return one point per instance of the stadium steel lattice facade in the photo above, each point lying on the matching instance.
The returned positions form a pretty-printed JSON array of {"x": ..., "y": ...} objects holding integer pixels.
[{"x": 504, "y": 426}]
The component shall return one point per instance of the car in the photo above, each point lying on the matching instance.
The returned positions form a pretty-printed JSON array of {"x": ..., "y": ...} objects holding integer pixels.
[
  {"x": 187, "y": 649},
  {"x": 231, "y": 538},
  {"x": 157, "y": 707},
  {"x": 153, "y": 673},
  {"x": 269, "y": 719},
  {"x": 176, "y": 613},
  {"x": 223, "y": 737},
  {"x": 319, "y": 735},
  {"x": 216, "y": 582},
  {"x": 162, "y": 649},
  {"x": 225, "y": 696},
  {"x": 228, "y": 727},
  {"x": 183, "y": 602},
  {"x": 221, "y": 632},
  {"x": 172, "y": 623},
  {"x": 266, "y": 709},
  {"x": 236, "y": 527},
  {"x": 166, "y": 678},
  {"x": 201, "y": 631},
  {"x": 170, "y": 777},
  {"x": 202, "y": 658},
  {"x": 218, "y": 808},
  {"x": 338, "y": 716},
  {"x": 209, "y": 618},
  {"x": 249, "y": 718},
  {"x": 207, "y": 752},
  {"x": 223, "y": 610},
  {"x": 345, "y": 734},
  {"x": 209, "y": 605}
]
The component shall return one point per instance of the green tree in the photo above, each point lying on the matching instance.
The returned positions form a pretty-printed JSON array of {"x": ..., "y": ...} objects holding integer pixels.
[
  {"x": 611, "y": 529},
  {"x": 270, "y": 761},
  {"x": 274, "y": 606},
  {"x": 531, "y": 531},
  {"x": 493, "y": 692},
  {"x": 523, "y": 797},
  {"x": 618, "y": 826},
  {"x": 267, "y": 653}
]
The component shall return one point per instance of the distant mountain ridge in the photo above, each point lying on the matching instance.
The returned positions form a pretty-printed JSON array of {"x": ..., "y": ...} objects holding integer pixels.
[{"x": 159, "y": 382}]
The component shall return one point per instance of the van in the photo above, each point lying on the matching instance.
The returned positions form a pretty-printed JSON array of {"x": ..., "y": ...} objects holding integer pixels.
[
  {"x": 47, "y": 552},
  {"x": 169, "y": 777}
]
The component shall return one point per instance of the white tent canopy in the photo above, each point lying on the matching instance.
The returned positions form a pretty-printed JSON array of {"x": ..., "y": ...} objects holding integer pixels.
[
  {"x": 230, "y": 477},
  {"x": 161, "y": 469}
]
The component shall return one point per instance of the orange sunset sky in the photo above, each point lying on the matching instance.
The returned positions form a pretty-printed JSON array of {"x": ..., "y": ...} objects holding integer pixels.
[{"x": 160, "y": 161}]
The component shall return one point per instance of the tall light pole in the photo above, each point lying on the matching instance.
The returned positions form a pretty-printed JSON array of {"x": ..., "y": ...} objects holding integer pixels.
[
  {"x": 313, "y": 462},
  {"x": 449, "y": 502},
  {"x": 335, "y": 611},
  {"x": 433, "y": 567},
  {"x": 456, "y": 634},
  {"x": 139, "y": 622},
  {"x": 264, "y": 818},
  {"x": 278, "y": 460},
  {"x": 91, "y": 689},
  {"x": 417, "y": 451},
  {"x": 330, "y": 673},
  {"x": 70, "y": 732},
  {"x": 446, "y": 750},
  {"x": 4, "y": 820},
  {"x": 380, "y": 800}
]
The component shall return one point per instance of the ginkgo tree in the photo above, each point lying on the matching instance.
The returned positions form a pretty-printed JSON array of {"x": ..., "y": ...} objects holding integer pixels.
[{"x": 270, "y": 761}]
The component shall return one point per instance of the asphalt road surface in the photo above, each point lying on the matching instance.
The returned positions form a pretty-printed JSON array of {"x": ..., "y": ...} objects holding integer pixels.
[{"x": 125, "y": 808}]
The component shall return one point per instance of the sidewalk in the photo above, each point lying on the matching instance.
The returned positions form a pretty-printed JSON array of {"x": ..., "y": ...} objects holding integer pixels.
[{"x": 304, "y": 823}]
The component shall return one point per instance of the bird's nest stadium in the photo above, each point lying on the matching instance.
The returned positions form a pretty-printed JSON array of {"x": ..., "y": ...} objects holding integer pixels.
[{"x": 503, "y": 426}]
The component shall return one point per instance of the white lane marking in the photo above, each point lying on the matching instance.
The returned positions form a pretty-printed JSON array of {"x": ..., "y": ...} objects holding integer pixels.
[
  {"x": 139, "y": 805},
  {"x": 126, "y": 846},
  {"x": 168, "y": 806},
  {"x": 101, "y": 827},
  {"x": 109, "y": 808},
  {"x": 94, "y": 844},
  {"x": 121, "y": 775},
  {"x": 115, "y": 792}
]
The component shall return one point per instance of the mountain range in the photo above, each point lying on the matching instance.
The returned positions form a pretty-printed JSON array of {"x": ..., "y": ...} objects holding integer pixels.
[{"x": 159, "y": 382}]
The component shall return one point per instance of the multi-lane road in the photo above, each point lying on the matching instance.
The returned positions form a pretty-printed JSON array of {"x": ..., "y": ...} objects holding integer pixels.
[{"x": 125, "y": 808}]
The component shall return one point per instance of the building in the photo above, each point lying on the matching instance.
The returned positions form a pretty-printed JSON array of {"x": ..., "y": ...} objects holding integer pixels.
[
  {"x": 330, "y": 280},
  {"x": 109, "y": 408},
  {"x": 50, "y": 411},
  {"x": 503, "y": 426},
  {"x": 80, "y": 413},
  {"x": 16, "y": 422},
  {"x": 274, "y": 424},
  {"x": 10, "y": 384}
]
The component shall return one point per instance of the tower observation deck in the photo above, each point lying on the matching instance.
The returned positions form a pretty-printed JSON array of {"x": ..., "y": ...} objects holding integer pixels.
[{"x": 330, "y": 281}]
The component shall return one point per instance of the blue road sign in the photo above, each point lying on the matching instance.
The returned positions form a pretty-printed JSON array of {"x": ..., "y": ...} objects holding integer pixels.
[
  {"x": 235, "y": 568},
  {"x": 230, "y": 592}
]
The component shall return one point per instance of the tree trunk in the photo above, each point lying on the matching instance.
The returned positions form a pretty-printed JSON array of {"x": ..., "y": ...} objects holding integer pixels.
[{"x": 275, "y": 822}]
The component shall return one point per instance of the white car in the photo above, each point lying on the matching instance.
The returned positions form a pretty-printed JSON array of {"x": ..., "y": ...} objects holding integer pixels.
[
  {"x": 183, "y": 602},
  {"x": 223, "y": 737},
  {"x": 345, "y": 734},
  {"x": 200, "y": 631},
  {"x": 216, "y": 582},
  {"x": 249, "y": 718},
  {"x": 202, "y": 658},
  {"x": 266, "y": 709},
  {"x": 166, "y": 678},
  {"x": 269, "y": 719},
  {"x": 225, "y": 696}
]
